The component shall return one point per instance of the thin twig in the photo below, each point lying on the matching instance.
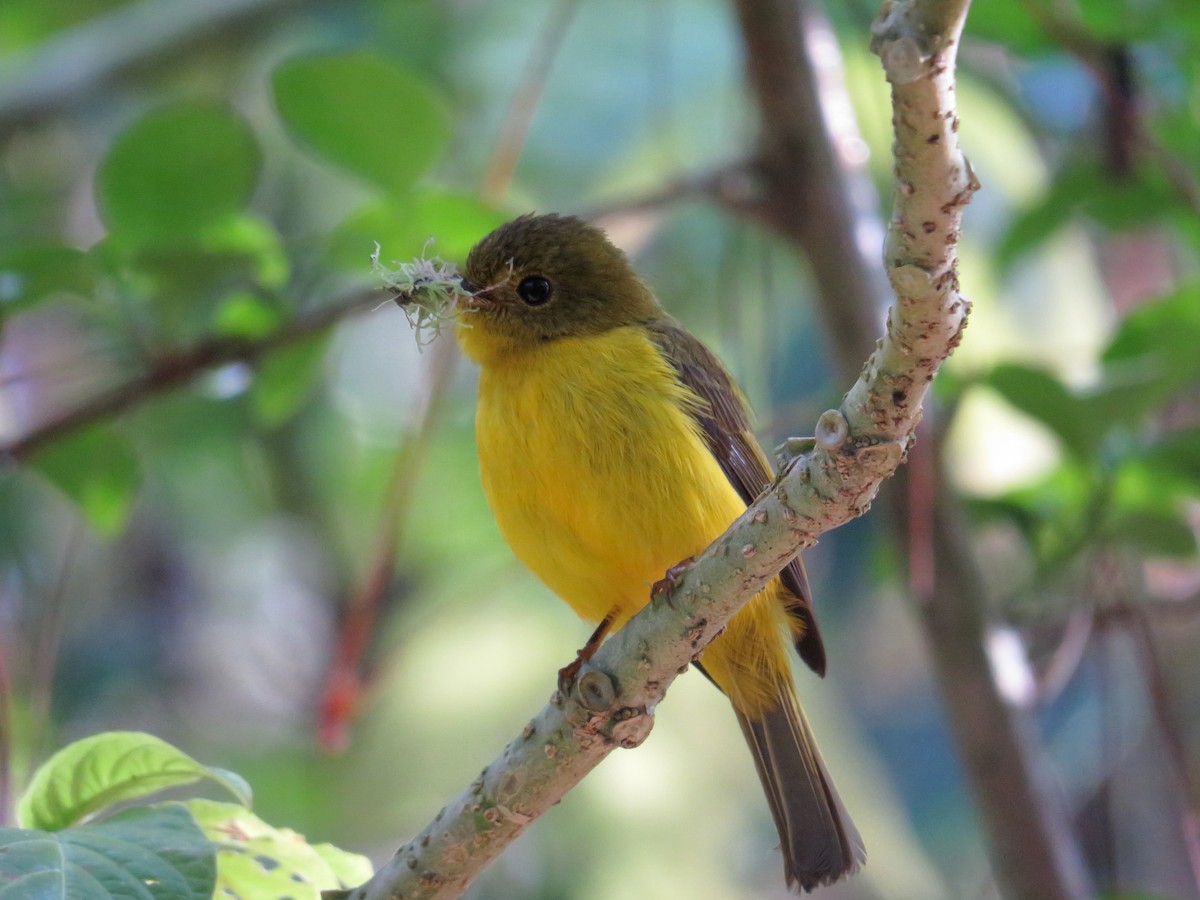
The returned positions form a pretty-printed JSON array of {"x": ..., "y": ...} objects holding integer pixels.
[
  {"x": 543, "y": 52},
  {"x": 1136, "y": 619},
  {"x": 1067, "y": 656},
  {"x": 734, "y": 186},
  {"x": 175, "y": 368},
  {"x": 1172, "y": 733},
  {"x": 53, "y": 617},
  {"x": 6, "y": 737},
  {"x": 344, "y": 683}
]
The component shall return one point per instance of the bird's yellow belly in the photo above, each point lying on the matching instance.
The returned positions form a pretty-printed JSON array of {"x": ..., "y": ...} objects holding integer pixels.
[{"x": 595, "y": 471}]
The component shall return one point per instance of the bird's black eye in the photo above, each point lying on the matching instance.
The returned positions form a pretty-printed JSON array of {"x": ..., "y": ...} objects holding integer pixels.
[{"x": 535, "y": 290}]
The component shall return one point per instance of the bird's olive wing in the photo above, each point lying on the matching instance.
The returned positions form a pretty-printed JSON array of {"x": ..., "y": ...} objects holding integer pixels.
[{"x": 724, "y": 421}]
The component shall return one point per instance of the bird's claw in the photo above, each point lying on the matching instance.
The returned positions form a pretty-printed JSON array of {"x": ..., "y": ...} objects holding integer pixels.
[
  {"x": 665, "y": 586},
  {"x": 568, "y": 673}
]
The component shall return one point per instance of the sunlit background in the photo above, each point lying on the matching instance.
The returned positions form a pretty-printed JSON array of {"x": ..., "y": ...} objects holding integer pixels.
[{"x": 186, "y": 564}]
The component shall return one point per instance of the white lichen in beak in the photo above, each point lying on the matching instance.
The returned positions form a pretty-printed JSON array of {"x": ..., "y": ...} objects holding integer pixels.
[{"x": 428, "y": 289}]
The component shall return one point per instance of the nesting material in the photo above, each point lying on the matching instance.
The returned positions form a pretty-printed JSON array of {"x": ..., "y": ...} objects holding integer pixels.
[{"x": 428, "y": 289}]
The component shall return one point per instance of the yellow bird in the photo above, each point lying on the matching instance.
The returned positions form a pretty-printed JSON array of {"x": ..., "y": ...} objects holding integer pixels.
[{"x": 613, "y": 445}]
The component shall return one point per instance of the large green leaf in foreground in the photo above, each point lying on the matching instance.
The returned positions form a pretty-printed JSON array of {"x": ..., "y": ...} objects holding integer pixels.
[
  {"x": 258, "y": 862},
  {"x": 152, "y": 853},
  {"x": 97, "y": 772}
]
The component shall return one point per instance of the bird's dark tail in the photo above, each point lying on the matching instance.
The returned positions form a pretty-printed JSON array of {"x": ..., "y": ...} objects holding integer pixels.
[{"x": 820, "y": 844}]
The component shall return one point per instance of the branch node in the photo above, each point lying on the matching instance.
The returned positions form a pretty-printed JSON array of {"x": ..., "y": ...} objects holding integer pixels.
[
  {"x": 633, "y": 727},
  {"x": 881, "y": 459},
  {"x": 909, "y": 281},
  {"x": 905, "y": 47},
  {"x": 973, "y": 182},
  {"x": 928, "y": 27},
  {"x": 832, "y": 431},
  {"x": 903, "y": 61},
  {"x": 596, "y": 690}
]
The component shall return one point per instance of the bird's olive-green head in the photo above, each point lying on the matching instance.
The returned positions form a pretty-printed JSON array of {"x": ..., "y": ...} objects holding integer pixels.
[{"x": 537, "y": 279}]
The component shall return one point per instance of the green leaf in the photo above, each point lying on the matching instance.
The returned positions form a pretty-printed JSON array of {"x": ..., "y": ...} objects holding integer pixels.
[
  {"x": 1005, "y": 509},
  {"x": 1009, "y": 25},
  {"x": 98, "y": 471},
  {"x": 1109, "y": 21},
  {"x": 446, "y": 223},
  {"x": 1152, "y": 356},
  {"x": 256, "y": 860},
  {"x": 89, "y": 776},
  {"x": 247, "y": 316},
  {"x": 351, "y": 869},
  {"x": 31, "y": 274},
  {"x": 1062, "y": 514},
  {"x": 388, "y": 223},
  {"x": 156, "y": 853},
  {"x": 1128, "y": 393},
  {"x": 240, "y": 247},
  {"x": 1177, "y": 455},
  {"x": 285, "y": 379},
  {"x": 365, "y": 114},
  {"x": 455, "y": 222},
  {"x": 1085, "y": 188},
  {"x": 1154, "y": 532},
  {"x": 176, "y": 172},
  {"x": 1034, "y": 225},
  {"x": 1147, "y": 510},
  {"x": 180, "y": 284},
  {"x": 1048, "y": 512},
  {"x": 1043, "y": 397},
  {"x": 1166, "y": 330},
  {"x": 254, "y": 240}
]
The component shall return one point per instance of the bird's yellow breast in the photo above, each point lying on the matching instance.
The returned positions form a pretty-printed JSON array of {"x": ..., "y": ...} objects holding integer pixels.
[{"x": 594, "y": 469}]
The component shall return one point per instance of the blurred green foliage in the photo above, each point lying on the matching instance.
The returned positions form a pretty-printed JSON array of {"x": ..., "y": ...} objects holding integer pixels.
[
  {"x": 1129, "y": 481},
  {"x": 182, "y": 562},
  {"x": 175, "y": 173},
  {"x": 373, "y": 118}
]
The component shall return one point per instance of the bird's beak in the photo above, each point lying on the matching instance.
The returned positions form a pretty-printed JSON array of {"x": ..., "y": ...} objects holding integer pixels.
[{"x": 472, "y": 296}]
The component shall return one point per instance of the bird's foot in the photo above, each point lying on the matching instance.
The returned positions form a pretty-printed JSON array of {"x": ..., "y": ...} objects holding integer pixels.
[
  {"x": 568, "y": 673},
  {"x": 665, "y": 586}
]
